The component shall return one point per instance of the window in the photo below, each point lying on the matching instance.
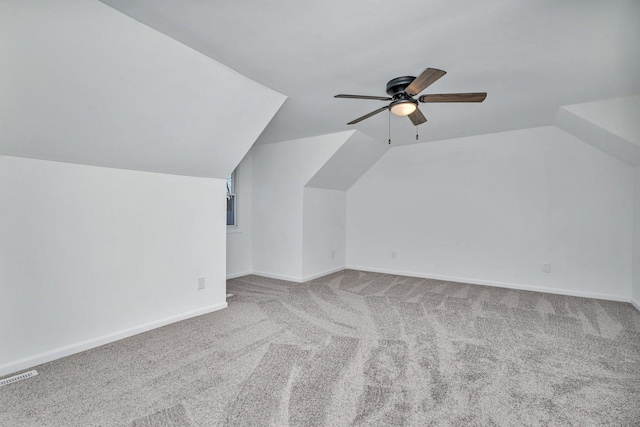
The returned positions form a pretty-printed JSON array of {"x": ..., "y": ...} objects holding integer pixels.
[{"x": 231, "y": 201}]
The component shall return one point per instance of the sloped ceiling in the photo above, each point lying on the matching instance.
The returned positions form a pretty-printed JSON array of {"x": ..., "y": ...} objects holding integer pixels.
[
  {"x": 612, "y": 125},
  {"x": 619, "y": 116},
  {"x": 358, "y": 153},
  {"x": 84, "y": 83},
  {"x": 532, "y": 57}
]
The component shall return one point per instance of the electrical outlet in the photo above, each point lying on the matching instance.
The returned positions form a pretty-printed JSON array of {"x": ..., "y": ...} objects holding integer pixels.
[
  {"x": 546, "y": 268},
  {"x": 333, "y": 254},
  {"x": 200, "y": 283},
  {"x": 394, "y": 255}
]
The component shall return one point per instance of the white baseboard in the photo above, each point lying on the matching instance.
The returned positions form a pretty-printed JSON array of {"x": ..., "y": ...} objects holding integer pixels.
[
  {"x": 236, "y": 275},
  {"x": 290, "y": 278},
  {"x": 324, "y": 273},
  {"x": 635, "y": 303},
  {"x": 508, "y": 285},
  {"x": 278, "y": 276},
  {"x": 57, "y": 353}
]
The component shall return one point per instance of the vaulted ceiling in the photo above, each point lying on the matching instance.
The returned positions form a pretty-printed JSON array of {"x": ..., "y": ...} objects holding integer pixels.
[
  {"x": 83, "y": 83},
  {"x": 191, "y": 86},
  {"x": 531, "y": 57}
]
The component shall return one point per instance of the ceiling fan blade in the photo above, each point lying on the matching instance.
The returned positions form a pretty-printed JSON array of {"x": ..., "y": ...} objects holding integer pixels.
[
  {"x": 366, "y": 116},
  {"x": 379, "y": 98},
  {"x": 424, "y": 80},
  {"x": 454, "y": 97},
  {"x": 417, "y": 118}
]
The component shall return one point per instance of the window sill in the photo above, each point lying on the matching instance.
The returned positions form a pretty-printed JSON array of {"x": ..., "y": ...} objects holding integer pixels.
[{"x": 233, "y": 230}]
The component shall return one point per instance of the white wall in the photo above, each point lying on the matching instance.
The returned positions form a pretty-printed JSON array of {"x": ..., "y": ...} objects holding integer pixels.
[
  {"x": 324, "y": 232},
  {"x": 89, "y": 255},
  {"x": 239, "y": 239},
  {"x": 280, "y": 172},
  {"x": 635, "y": 289},
  {"x": 494, "y": 208}
]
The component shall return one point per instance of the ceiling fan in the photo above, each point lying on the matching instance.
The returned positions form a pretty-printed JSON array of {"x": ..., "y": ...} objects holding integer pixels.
[{"x": 402, "y": 90}]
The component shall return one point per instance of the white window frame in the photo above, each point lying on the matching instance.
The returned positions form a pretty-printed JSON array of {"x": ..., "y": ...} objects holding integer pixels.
[{"x": 233, "y": 195}]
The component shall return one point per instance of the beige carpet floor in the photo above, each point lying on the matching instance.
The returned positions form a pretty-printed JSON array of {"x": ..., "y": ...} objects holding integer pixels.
[{"x": 355, "y": 348}]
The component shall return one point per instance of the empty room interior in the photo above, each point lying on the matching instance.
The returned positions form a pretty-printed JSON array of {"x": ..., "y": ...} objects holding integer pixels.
[{"x": 361, "y": 213}]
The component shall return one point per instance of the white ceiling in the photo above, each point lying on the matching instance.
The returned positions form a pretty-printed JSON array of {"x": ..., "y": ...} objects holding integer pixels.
[
  {"x": 83, "y": 83},
  {"x": 612, "y": 126},
  {"x": 354, "y": 157},
  {"x": 530, "y": 56},
  {"x": 619, "y": 116}
]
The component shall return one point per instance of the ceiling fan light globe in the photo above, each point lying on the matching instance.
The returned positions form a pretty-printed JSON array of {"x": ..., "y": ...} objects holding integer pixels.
[{"x": 403, "y": 108}]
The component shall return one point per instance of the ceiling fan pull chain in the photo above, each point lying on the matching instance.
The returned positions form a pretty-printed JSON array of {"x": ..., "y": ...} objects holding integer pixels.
[
  {"x": 389, "y": 126},
  {"x": 416, "y": 133}
]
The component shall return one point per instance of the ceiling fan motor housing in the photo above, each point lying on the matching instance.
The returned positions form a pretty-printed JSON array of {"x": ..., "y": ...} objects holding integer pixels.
[{"x": 396, "y": 87}]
